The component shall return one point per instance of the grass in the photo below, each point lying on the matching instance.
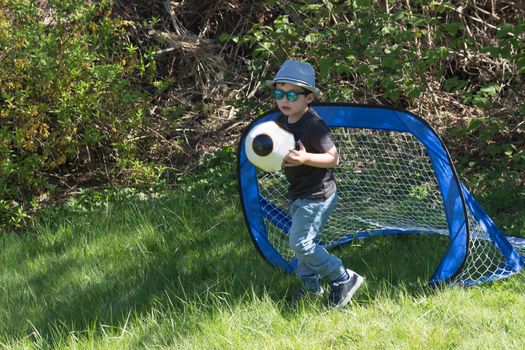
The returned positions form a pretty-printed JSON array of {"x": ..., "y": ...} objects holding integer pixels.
[{"x": 181, "y": 272}]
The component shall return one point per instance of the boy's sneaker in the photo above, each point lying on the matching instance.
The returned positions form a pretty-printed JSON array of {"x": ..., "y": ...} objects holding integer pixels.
[{"x": 343, "y": 291}]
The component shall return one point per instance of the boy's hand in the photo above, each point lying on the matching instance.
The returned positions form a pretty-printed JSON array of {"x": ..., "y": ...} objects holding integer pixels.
[
  {"x": 329, "y": 159},
  {"x": 296, "y": 157}
]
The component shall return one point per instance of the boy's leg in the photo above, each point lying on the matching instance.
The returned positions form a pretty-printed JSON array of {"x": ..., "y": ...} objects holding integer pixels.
[
  {"x": 313, "y": 259},
  {"x": 311, "y": 286}
]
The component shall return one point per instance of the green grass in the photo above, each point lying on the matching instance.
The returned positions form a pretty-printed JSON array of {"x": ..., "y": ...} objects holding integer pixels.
[{"x": 181, "y": 272}]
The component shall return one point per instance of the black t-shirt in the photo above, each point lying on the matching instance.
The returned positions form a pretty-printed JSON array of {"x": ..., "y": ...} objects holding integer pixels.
[{"x": 306, "y": 181}]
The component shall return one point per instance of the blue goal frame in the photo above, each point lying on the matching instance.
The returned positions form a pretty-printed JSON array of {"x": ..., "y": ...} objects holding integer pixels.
[{"x": 457, "y": 201}]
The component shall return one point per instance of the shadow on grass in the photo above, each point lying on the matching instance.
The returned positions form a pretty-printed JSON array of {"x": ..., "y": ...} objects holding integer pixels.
[
  {"x": 92, "y": 271},
  {"x": 391, "y": 262},
  {"x": 81, "y": 272}
]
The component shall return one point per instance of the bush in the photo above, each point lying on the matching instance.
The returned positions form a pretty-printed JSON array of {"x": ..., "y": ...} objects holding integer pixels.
[
  {"x": 70, "y": 97},
  {"x": 392, "y": 53}
]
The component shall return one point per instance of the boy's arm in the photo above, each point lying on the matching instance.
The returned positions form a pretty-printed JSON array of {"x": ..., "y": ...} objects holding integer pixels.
[{"x": 329, "y": 159}]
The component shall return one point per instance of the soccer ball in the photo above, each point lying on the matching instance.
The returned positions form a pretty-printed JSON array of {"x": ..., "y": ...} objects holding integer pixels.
[{"x": 267, "y": 144}]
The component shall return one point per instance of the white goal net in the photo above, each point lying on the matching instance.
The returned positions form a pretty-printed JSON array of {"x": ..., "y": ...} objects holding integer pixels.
[{"x": 386, "y": 185}]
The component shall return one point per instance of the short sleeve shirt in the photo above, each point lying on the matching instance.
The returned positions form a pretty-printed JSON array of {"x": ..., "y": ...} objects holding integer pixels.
[{"x": 306, "y": 181}]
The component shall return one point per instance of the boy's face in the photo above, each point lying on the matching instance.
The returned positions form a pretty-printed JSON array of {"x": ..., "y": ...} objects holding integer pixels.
[{"x": 294, "y": 109}]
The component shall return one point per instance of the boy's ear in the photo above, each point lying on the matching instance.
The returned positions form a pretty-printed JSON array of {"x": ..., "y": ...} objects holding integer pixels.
[{"x": 310, "y": 98}]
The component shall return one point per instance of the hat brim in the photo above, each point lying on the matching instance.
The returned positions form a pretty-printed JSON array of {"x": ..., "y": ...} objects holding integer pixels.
[{"x": 313, "y": 89}]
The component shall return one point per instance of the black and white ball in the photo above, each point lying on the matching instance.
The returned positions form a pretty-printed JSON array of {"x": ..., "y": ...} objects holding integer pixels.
[{"x": 267, "y": 144}]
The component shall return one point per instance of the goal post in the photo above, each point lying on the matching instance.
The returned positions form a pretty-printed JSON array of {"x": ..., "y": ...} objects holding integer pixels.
[{"x": 395, "y": 177}]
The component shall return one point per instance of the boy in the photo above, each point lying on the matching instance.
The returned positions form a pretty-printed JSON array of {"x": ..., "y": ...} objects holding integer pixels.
[{"x": 312, "y": 187}]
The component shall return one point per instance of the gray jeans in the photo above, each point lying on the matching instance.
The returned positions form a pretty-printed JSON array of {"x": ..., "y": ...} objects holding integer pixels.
[{"x": 308, "y": 216}]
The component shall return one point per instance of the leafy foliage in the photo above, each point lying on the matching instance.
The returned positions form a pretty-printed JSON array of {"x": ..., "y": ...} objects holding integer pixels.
[
  {"x": 393, "y": 54},
  {"x": 69, "y": 97},
  {"x": 215, "y": 172}
]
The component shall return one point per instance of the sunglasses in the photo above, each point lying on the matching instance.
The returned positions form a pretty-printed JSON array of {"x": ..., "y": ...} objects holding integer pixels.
[{"x": 290, "y": 95}]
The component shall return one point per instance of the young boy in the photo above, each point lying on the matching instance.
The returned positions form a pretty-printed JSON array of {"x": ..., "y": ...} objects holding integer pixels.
[{"x": 312, "y": 187}]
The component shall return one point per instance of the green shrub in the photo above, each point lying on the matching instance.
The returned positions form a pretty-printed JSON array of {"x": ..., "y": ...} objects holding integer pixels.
[
  {"x": 363, "y": 52},
  {"x": 357, "y": 47},
  {"x": 70, "y": 97}
]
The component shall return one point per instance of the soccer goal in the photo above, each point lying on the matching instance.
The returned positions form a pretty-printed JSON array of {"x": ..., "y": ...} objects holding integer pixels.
[{"x": 395, "y": 177}]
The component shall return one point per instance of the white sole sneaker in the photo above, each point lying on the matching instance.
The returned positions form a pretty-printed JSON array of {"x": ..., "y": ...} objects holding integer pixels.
[{"x": 357, "y": 280}]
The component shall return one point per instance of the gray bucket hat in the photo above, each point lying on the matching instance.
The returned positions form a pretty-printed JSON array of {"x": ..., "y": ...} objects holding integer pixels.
[{"x": 297, "y": 73}]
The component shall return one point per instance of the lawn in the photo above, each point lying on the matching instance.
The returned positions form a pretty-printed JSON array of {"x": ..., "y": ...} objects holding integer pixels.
[{"x": 179, "y": 271}]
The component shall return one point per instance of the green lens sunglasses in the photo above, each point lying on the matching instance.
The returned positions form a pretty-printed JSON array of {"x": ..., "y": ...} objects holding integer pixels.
[{"x": 290, "y": 95}]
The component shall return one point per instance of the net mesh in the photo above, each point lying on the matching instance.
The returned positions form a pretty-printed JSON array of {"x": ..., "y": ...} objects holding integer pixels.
[
  {"x": 483, "y": 258},
  {"x": 385, "y": 181}
]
